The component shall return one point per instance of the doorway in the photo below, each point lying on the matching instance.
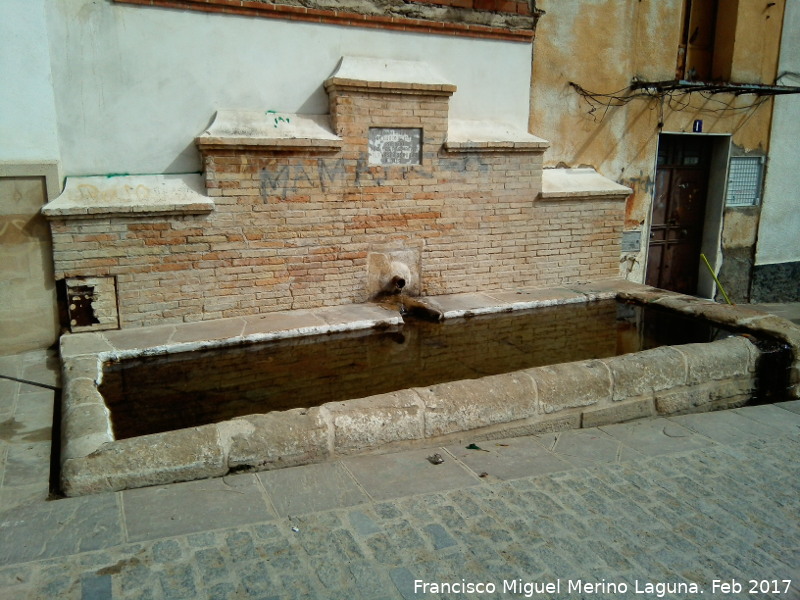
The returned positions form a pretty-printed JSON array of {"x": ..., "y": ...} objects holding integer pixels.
[{"x": 682, "y": 209}]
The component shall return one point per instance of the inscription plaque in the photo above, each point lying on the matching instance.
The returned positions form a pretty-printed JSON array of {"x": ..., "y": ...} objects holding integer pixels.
[
  {"x": 395, "y": 145},
  {"x": 631, "y": 241}
]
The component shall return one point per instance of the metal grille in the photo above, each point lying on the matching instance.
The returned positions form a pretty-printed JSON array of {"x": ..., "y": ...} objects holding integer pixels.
[{"x": 744, "y": 181}]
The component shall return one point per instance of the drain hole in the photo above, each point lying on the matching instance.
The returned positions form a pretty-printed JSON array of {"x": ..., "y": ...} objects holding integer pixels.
[
  {"x": 55, "y": 449},
  {"x": 773, "y": 369}
]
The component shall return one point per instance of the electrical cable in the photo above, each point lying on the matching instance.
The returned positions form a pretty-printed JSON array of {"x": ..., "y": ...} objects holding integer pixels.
[{"x": 677, "y": 95}]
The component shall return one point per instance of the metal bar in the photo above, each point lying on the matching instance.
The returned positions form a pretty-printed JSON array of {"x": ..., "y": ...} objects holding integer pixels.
[
  {"x": 28, "y": 382},
  {"x": 714, "y": 275}
]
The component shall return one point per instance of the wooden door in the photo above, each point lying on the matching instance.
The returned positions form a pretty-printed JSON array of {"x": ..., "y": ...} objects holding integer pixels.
[{"x": 679, "y": 207}]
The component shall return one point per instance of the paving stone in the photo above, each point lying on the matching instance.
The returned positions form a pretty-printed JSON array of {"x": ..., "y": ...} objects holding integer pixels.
[
  {"x": 791, "y": 405},
  {"x": 23, "y": 495},
  {"x": 264, "y": 532},
  {"x": 95, "y": 587},
  {"x": 656, "y": 436},
  {"x": 363, "y": 523},
  {"x": 627, "y": 454},
  {"x": 334, "y": 575},
  {"x": 439, "y": 536},
  {"x": 34, "y": 411},
  {"x": 177, "y": 582},
  {"x": 405, "y": 473},
  {"x": 137, "y": 576},
  {"x": 387, "y": 510},
  {"x": 588, "y": 446},
  {"x": 724, "y": 428},
  {"x": 59, "y": 528},
  {"x": 166, "y": 551},
  {"x": 211, "y": 564},
  {"x": 222, "y": 591},
  {"x": 204, "y": 539},
  {"x": 257, "y": 581},
  {"x": 369, "y": 582},
  {"x": 403, "y": 580},
  {"x": 509, "y": 458},
  {"x": 785, "y": 421},
  {"x": 182, "y": 508},
  {"x": 311, "y": 488},
  {"x": 27, "y": 464},
  {"x": 548, "y": 440}
]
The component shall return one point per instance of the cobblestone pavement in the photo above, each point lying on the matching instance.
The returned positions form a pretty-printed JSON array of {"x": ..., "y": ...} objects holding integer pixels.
[{"x": 698, "y": 506}]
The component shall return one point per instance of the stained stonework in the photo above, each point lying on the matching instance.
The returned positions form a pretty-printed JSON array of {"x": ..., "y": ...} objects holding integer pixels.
[
  {"x": 776, "y": 283},
  {"x": 677, "y": 380},
  {"x": 27, "y": 293},
  {"x": 92, "y": 304},
  {"x": 497, "y": 19}
]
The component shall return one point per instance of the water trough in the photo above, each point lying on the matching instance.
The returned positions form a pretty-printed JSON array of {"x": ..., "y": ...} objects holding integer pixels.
[{"x": 595, "y": 391}]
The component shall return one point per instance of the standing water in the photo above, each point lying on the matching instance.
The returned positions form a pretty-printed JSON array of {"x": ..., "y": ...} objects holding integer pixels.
[{"x": 154, "y": 394}]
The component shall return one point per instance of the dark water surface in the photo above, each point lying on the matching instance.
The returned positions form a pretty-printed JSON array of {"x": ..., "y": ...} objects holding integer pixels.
[{"x": 154, "y": 394}]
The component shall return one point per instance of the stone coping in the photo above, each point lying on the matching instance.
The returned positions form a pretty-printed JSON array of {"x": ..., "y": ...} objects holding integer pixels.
[
  {"x": 377, "y": 74},
  {"x": 569, "y": 184},
  {"x": 486, "y": 136},
  {"x": 666, "y": 380},
  {"x": 269, "y": 130},
  {"x": 203, "y": 335},
  {"x": 130, "y": 196},
  {"x": 289, "y": 131}
]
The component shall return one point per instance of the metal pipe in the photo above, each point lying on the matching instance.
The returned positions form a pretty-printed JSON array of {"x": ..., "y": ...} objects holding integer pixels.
[{"x": 710, "y": 270}]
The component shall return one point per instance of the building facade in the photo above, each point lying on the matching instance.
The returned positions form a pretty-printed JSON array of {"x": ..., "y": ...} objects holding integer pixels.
[{"x": 677, "y": 100}]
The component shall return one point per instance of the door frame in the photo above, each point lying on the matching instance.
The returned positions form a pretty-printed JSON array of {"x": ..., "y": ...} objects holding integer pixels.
[
  {"x": 711, "y": 244},
  {"x": 49, "y": 169}
]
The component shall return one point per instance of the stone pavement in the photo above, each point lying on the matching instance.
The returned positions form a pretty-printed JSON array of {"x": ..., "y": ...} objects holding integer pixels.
[
  {"x": 787, "y": 310},
  {"x": 656, "y": 506}
]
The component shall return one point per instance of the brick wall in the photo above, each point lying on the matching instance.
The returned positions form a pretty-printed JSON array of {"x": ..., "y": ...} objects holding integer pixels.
[{"x": 293, "y": 225}]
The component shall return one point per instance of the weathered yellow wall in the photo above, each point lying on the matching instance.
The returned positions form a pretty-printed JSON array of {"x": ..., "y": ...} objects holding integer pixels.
[
  {"x": 758, "y": 39},
  {"x": 602, "y": 45}
]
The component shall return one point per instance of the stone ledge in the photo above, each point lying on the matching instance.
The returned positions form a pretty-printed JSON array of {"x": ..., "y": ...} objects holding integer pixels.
[
  {"x": 580, "y": 184},
  {"x": 490, "y": 136},
  {"x": 217, "y": 333},
  {"x": 269, "y": 130},
  {"x": 130, "y": 196},
  {"x": 619, "y": 413},
  {"x": 388, "y": 76},
  {"x": 737, "y": 316},
  {"x": 469, "y": 304},
  {"x": 733, "y": 357},
  {"x": 458, "y": 406},
  {"x": 646, "y": 372}
]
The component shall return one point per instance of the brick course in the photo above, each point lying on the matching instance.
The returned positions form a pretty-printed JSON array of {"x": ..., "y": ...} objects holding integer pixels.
[{"x": 293, "y": 227}]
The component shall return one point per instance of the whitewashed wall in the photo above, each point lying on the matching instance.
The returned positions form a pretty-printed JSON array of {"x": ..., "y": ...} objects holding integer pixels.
[
  {"x": 779, "y": 228},
  {"x": 134, "y": 85},
  {"x": 27, "y": 108}
]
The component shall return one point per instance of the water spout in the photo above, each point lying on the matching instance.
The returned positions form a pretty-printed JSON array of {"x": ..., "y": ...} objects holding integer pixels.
[{"x": 395, "y": 278}]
